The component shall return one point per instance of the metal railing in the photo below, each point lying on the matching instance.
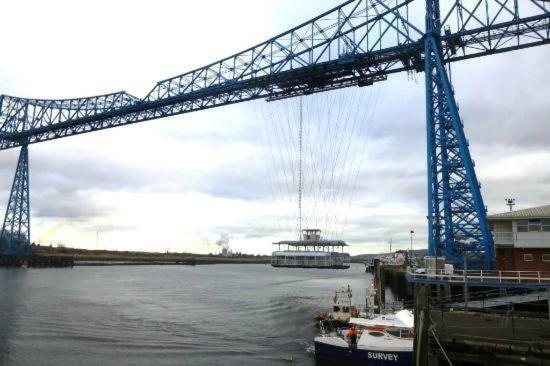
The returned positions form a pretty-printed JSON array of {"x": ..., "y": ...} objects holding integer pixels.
[
  {"x": 521, "y": 238},
  {"x": 512, "y": 302},
  {"x": 504, "y": 237},
  {"x": 473, "y": 277}
]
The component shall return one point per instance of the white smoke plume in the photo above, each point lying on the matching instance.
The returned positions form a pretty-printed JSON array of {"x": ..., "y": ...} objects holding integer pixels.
[{"x": 223, "y": 242}]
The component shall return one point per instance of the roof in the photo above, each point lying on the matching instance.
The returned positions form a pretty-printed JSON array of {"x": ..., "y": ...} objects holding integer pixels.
[
  {"x": 313, "y": 243},
  {"x": 534, "y": 212},
  {"x": 402, "y": 318},
  {"x": 301, "y": 253}
]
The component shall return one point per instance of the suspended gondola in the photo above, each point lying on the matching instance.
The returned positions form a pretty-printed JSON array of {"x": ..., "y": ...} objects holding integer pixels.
[{"x": 315, "y": 146}]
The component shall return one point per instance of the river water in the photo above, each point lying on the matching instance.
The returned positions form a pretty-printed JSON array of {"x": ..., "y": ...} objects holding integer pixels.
[{"x": 165, "y": 315}]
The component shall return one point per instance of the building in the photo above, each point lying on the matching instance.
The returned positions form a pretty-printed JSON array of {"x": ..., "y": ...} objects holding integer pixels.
[
  {"x": 522, "y": 239},
  {"x": 397, "y": 258}
]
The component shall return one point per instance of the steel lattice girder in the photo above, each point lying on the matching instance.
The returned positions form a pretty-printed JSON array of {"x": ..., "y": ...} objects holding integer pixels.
[
  {"x": 455, "y": 204},
  {"x": 15, "y": 235},
  {"x": 356, "y": 43}
]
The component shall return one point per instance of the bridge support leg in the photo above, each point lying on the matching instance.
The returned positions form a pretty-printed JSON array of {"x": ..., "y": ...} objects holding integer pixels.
[
  {"x": 15, "y": 234},
  {"x": 456, "y": 212}
]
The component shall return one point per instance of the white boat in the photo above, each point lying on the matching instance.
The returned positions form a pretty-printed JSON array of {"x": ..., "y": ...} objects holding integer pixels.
[
  {"x": 380, "y": 341},
  {"x": 342, "y": 309}
]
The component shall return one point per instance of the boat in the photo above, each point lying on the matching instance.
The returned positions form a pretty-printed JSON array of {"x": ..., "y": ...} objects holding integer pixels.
[
  {"x": 311, "y": 252},
  {"x": 383, "y": 340},
  {"x": 342, "y": 309}
]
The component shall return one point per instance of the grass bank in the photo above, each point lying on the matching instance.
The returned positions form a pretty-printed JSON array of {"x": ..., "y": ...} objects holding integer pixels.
[{"x": 109, "y": 257}]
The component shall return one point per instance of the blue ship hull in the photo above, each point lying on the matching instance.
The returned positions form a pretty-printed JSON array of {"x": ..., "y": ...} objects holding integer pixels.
[{"x": 353, "y": 356}]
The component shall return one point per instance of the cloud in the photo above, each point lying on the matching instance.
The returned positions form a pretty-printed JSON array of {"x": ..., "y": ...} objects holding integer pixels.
[{"x": 179, "y": 182}]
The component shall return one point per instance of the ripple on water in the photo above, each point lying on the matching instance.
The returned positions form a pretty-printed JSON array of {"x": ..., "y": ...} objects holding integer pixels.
[{"x": 203, "y": 315}]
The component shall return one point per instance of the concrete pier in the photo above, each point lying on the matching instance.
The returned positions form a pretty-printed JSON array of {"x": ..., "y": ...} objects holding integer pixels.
[{"x": 464, "y": 337}]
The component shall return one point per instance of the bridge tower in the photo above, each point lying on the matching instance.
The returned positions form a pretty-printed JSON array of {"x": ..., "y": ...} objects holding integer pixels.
[
  {"x": 15, "y": 235},
  {"x": 457, "y": 218}
]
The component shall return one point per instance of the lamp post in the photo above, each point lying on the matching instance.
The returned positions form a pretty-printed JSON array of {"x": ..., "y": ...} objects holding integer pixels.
[
  {"x": 411, "y": 233},
  {"x": 464, "y": 243},
  {"x": 510, "y": 202}
]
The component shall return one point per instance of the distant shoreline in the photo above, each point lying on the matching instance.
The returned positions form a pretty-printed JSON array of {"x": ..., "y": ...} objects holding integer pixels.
[
  {"x": 162, "y": 263},
  {"x": 85, "y": 257}
]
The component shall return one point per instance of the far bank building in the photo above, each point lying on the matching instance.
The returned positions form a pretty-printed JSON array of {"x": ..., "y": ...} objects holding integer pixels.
[{"x": 522, "y": 239}]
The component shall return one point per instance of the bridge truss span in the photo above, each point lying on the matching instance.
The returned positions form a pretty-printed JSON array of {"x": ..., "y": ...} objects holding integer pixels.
[
  {"x": 22, "y": 117},
  {"x": 353, "y": 28}
]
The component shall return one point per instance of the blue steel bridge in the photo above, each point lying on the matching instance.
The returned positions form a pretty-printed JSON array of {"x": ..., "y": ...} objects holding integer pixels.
[{"x": 355, "y": 44}]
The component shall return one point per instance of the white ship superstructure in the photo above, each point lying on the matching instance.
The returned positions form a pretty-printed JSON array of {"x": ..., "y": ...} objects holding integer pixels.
[
  {"x": 384, "y": 340},
  {"x": 311, "y": 252}
]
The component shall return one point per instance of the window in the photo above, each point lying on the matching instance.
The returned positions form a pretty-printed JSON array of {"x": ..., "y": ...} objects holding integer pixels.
[
  {"x": 394, "y": 332},
  {"x": 546, "y": 257},
  {"x": 523, "y": 226},
  {"x": 534, "y": 225},
  {"x": 528, "y": 257},
  {"x": 376, "y": 334}
]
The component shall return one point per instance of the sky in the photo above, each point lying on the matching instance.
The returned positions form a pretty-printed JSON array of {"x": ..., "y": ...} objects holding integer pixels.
[{"x": 185, "y": 182}]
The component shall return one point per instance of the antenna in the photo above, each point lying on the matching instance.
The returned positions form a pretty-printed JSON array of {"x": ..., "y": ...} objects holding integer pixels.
[{"x": 511, "y": 203}]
